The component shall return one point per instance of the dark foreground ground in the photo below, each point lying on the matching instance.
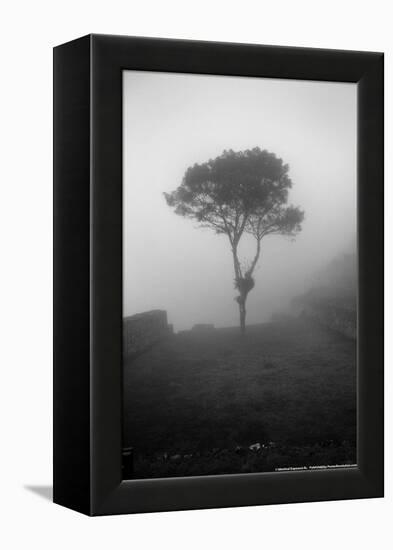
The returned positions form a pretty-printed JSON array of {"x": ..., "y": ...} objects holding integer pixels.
[{"x": 194, "y": 404}]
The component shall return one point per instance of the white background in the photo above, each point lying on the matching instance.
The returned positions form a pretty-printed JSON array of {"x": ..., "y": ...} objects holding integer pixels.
[{"x": 28, "y": 32}]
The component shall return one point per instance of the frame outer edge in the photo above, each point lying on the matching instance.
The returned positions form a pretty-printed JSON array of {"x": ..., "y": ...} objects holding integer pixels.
[
  {"x": 109, "y": 494},
  {"x": 371, "y": 274},
  {"x": 71, "y": 236}
]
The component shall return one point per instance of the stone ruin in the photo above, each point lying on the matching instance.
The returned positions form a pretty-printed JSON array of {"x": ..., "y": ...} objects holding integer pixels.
[
  {"x": 143, "y": 330},
  {"x": 203, "y": 327},
  {"x": 334, "y": 313}
]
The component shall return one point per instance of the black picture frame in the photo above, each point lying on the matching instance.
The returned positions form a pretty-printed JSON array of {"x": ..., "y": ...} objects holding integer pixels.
[{"x": 88, "y": 274}]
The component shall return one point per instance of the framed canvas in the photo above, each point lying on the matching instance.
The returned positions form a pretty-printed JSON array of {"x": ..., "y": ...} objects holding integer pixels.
[{"x": 218, "y": 275}]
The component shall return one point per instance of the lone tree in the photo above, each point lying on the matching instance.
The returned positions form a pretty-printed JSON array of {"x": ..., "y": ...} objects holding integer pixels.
[{"x": 239, "y": 193}]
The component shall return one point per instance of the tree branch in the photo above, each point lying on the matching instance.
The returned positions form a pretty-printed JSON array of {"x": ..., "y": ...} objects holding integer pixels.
[
  {"x": 236, "y": 264},
  {"x": 256, "y": 257}
]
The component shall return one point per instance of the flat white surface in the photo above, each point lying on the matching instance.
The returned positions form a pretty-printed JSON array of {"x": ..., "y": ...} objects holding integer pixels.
[{"x": 28, "y": 32}]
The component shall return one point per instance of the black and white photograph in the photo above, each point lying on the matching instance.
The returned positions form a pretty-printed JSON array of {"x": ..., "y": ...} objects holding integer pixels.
[
  {"x": 239, "y": 275},
  {"x": 195, "y": 272}
]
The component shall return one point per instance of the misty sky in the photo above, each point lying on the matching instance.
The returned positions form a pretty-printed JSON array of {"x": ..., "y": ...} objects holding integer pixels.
[{"x": 172, "y": 121}]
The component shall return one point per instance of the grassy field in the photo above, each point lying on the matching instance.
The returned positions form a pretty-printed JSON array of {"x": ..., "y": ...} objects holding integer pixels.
[{"x": 194, "y": 404}]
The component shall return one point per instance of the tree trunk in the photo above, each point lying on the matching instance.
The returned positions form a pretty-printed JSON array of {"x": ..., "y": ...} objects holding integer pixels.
[{"x": 242, "y": 311}]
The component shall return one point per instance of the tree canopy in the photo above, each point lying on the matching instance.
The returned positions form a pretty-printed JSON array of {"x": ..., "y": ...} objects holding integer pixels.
[{"x": 237, "y": 193}]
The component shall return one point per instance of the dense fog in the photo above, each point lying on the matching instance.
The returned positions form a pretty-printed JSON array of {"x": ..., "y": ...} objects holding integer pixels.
[{"x": 172, "y": 121}]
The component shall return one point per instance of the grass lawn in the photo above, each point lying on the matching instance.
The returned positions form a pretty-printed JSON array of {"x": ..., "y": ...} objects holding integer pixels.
[{"x": 195, "y": 403}]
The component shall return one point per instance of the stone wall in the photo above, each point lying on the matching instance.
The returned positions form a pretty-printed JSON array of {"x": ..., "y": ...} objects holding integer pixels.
[
  {"x": 332, "y": 299},
  {"x": 143, "y": 330},
  {"x": 336, "y": 313},
  {"x": 203, "y": 327},
  {"x": 336, "y": 318}
]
